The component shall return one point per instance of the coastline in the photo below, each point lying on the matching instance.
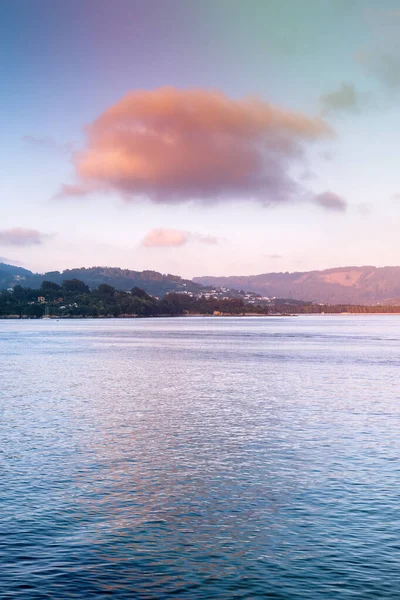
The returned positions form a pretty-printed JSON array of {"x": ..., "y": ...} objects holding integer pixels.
[{"x": 196, "y": 315}]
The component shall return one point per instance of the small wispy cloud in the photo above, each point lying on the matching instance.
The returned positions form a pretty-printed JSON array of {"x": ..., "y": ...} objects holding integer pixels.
[
  {"x": 170, "y": 238},
  {"x": 68, "y": 190},
  {"x": 344, "y": 99},
  {"x": 386, "y": 68},
  {"x": 364, "y": 208},
  {"x": 48, "y": 143},
  {"x": 327, "y": 156},
  {"x": 273, "y": 256},
  {"x": 330, "y": 201},
  {"x": 18, "y": 236},
  {"x": 10, "y": 261}
]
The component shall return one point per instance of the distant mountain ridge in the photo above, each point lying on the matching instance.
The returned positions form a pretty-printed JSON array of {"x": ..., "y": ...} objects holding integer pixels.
[
  {"x": 154, "y": 283},
  {"x": 351, "y": 285},
  {"x": 343, "y": 285}
]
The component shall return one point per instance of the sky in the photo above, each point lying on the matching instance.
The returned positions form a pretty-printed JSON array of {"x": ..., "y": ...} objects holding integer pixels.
[{"x": 200, "y": 137}]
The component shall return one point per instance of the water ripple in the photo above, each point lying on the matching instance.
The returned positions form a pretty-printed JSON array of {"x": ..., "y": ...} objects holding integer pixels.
[{"x": 200, "y": 458}]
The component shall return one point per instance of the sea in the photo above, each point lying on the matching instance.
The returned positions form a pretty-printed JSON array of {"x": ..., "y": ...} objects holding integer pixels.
[{"x": 200, "y": 458}]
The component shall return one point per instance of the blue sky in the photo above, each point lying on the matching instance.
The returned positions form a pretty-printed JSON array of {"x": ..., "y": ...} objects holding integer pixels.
[{"x": 65, "y": 63}]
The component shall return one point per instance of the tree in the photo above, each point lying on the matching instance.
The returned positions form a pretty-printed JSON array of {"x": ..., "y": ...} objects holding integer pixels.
[
  {"x": 105, "y": 290},
  {"x": 34, "y": 310},
  {"x": 50, "y": 290},
  {"x": 50, "y": 286},
  {"x": 75, "y": 286},
  {"x": 139, "y": 293},
  {"x": 171, "y": 305}
]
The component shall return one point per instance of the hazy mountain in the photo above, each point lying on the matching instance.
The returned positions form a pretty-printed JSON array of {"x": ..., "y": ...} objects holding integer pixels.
[
  {"x": 356, "y": 285},
  {"x": 11, "y": 275},
  {"x": 152, "y": 282}
]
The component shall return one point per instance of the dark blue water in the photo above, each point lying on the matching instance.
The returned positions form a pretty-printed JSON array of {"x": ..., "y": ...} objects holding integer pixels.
[{"x": 200, "y": 458}]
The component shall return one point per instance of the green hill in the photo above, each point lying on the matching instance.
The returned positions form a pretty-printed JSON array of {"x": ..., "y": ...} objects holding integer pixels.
[{"x": 154, "y": 283}]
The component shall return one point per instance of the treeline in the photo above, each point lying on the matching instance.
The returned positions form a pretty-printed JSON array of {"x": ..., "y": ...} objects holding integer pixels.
[
  {"x": 315, "y": 309},
  {"x": 73, "y": 298}
]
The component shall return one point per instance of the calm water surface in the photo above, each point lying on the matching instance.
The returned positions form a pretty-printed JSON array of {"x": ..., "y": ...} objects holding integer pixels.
[{"x": 200, "y": 458}]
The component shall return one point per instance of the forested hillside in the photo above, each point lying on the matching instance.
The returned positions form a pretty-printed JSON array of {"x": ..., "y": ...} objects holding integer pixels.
[{"x": 152, "y": 282}]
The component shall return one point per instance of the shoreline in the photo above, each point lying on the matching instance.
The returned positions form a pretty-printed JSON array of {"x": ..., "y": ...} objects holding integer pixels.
[
  {"x": 198, "y": 315},
  {"x": 55, "y": 318}
]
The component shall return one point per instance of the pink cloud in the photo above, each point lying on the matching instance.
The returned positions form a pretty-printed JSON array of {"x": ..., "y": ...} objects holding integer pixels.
[
  {"x": 163, "y": 238},
  {"x": 71, "y": 190},
  {"x": 18, "y": 236},
  {"x": 331, "y": 201},
  {"x": 173, "y": 145}
]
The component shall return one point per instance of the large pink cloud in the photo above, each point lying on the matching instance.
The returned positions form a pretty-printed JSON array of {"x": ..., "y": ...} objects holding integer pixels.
[
  {"x": 162, "y": 238},
  {"x": 173, "y": 145},
  {"x": 19, "y": 236}
]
